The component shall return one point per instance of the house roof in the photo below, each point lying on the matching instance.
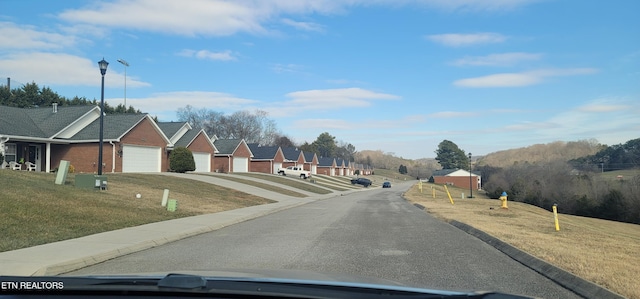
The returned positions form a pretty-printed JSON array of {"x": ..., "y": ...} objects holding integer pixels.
[
  {"x": 39, "y": 122},
  {"x": 446, "y": 172},
  {"x": 308, "y": 156},
  {"x": 187, "y": 138},
  {"x": 291, "y": 153},
  {"x": 171, "y": 128},
  {"x": 263, "y": 152},
  {"x": 325, "y": 161},
  {"x": 227, "y": 146},
  {"x": 115, "y": 126}
]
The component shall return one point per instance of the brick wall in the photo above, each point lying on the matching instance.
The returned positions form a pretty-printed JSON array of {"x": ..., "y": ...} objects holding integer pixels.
[
  {"x": 458, "y": 181},
  {"x": 260, "y": 166}
]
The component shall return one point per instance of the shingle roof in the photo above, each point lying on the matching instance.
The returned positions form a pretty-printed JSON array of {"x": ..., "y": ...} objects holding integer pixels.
[
  {"x": 170, "y": 128},
  {"x": 443, "y": 172},
  {"x": 115, "y": 125},
  {"x": 226, "y": 146},
  {"x": 187, "y": 138},
  {"x": 325, "y": 161},
  {"x": 263, "y": 152},
  {"x": 308, "y": 156},
  {"x": 291, "y": 153},
  {"x": 38, "y": 122}
]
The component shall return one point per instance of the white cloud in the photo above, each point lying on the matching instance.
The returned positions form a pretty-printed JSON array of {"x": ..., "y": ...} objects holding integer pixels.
[
  {"x": 21, "y": 37},
  {"x": 607, "y": 104},
  {"x": 341, "y": 124},
  {"x": 503, "y": 59},
  {"x": 223, "y": 18},
  {"x": 463, "y": 40},
  {"x": 453, "y": 114},
  {"x": 280, "y": 68},
  {"x": 520, "y": 79},
  {"x": 321, "y": 100},
  {"x": 169, "y": 102},
  {"x": 208, "y": 55},
  {"x": 61, "y": 69},
  {"x": 305, "y": 26}
]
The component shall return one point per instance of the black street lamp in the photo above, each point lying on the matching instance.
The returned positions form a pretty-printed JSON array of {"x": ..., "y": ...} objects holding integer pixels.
[
  {"x": 103, "y": 70},
  {"x": 470, "y": 180}
]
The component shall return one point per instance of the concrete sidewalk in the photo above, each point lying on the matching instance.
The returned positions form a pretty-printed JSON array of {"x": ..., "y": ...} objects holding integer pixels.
[{"x": 65, "y": 256}]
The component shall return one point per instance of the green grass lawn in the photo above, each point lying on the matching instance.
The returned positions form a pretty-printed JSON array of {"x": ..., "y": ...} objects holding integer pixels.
[{"x": 36, "y": 211}]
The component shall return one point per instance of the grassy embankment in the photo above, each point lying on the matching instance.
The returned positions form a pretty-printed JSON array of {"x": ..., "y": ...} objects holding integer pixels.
[
  {"x": 601, "y": 251},
  {"x": 36, "y": 211}
]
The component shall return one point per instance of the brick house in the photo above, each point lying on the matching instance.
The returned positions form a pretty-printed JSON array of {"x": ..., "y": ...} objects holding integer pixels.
[
  {"x": 310, "y": 162},
  {"x": 292, "y": 156},
  {"x": 457, "y": 177},
  {"x": 266, "y": 159},
  {"x": 44, "y": 136},
  {"x": 233, "y": 155},
  {"x": 327, "y": 166},
  {"x": 202, "y": 148}
]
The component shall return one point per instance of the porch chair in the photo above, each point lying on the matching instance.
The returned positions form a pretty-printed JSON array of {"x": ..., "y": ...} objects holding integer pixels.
[
  {"x": 30, "y": 166},
  {"x": 14, "y": 165}
]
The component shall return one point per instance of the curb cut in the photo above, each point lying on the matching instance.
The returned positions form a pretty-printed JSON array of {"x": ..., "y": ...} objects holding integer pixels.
[{"x": 569, "y": 281}]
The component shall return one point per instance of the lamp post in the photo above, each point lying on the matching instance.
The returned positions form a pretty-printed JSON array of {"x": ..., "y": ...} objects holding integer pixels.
[
  {"x": 470, "y": 180},
  {"x": 126, "y": 64},
  {"x": 103, "y": 70}
]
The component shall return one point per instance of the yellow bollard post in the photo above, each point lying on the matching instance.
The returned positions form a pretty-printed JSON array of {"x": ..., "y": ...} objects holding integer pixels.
[
  {"x": 503, "y": 198},
  {"x": 420, "y": 186},
  {"x": 555, "y": 216},
  {"x": 448, "y": 194},
  {"x": 433, "y": 192}
]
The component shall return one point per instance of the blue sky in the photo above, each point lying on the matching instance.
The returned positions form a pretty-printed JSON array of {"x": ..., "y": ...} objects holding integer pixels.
[{"x": 393, "y": 75}]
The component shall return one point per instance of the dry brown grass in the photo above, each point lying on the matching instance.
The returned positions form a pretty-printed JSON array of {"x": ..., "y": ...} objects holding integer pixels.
[
  {"x": 36, "y": 211},
  {"x": 603, "y": 252}
]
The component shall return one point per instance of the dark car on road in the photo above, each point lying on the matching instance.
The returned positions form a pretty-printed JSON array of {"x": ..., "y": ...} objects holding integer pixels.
[
  {"x": 361, "y": 181},
  {"x": 386, "y": 185}
]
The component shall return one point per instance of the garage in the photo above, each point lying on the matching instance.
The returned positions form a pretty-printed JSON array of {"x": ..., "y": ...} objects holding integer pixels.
[
  {"x": 276, "y": 166},
  {"x": 203, "y": 162},
  {"x": 141, "y": 158},
  {"x": 240, "y": 164},
  {"x": 314, "y": 169}
]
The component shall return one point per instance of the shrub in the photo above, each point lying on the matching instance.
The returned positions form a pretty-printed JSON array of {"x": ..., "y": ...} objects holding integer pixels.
[{"x": 181, "y": 160}]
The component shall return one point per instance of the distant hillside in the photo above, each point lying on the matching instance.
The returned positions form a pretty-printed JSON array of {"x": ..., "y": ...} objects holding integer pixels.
[
  {"x": 558, "y": 150},
  {"x": 381, "y": 160}
]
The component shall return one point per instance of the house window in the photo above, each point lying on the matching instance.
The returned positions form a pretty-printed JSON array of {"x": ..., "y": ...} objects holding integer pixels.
[{"x": 10, "y": 152}]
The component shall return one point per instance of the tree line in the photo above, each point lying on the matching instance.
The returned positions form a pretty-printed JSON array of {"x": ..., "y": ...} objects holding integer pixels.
[
  {"x": 577, "y": 186},
  {"x": 31, "y": 95},
  {"x": 257, "y": 127}
]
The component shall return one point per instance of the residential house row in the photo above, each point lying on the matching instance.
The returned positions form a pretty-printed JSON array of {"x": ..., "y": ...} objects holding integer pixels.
[{"x": 42, "y": 137}]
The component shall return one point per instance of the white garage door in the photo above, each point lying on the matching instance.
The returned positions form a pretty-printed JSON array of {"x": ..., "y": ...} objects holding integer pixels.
[
  {"x": 240, "y": 164},
  {"x": 203, "y": 162},
  {"x": 276, "y": 166},
  {"x": 141, "y": 158},
  {"x": 314, "y": 169}
]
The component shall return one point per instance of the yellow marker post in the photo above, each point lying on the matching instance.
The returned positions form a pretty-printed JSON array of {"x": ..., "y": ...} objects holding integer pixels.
[
  {"x": 433, "y": 192},
  {"x": 555, "y": 216},
  {"x": 420, "y": 186},
  {"x": 449, "y": 194}
]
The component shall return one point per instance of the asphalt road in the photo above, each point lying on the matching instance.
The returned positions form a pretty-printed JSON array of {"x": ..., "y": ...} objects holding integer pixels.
[{"x": 373, "y": 234}]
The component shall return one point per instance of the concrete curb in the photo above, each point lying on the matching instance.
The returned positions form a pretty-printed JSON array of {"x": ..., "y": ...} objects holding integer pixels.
[
  {"x": 570, "y": 281},
  {"x": 82, "y": 262}
]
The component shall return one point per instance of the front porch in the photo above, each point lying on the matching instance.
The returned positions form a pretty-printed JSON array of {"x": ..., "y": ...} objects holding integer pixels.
[{"x": 25, "y": 155}]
